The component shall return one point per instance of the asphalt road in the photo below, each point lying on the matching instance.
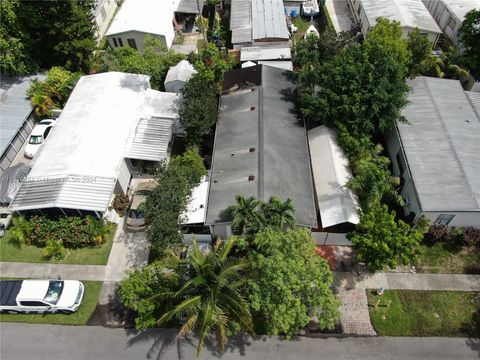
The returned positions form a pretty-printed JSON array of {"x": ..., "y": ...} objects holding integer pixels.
[{"x": 97, "y": 343}]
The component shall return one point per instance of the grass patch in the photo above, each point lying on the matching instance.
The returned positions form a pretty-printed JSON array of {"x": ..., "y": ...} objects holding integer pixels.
[
  {"x": 425, "y": 313},
  {"x": 201, "y": 45},
  {"x": 80, "y": 317},
  {"x": 439, "y": 258},
  {"x": 10, "y": 251},
  {"x": 302, "y": 26}
]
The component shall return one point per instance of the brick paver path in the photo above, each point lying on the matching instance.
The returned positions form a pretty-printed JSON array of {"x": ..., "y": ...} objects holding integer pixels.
[{"x": 354, "y": 316}]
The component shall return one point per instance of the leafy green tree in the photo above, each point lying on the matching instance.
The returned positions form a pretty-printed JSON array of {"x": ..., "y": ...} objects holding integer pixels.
[
  {"x": 13, "y": 57},
  {"x": 289, "y": 283},
  {"x": 314, "y": 51},
  {"x": 58, "y": 32},
  {"x": 380, "y": 241},
  {"x": 190, "y": 165},
  {"x": 372, "y": 179},
  {"x": 211, "y": 64},
  {"x": 155, "y": 61},
  {"x": 198, "y": 112},
  {"x": 363, "y": 87},
  {"x": 53, "y": 92},
  {"x": 469, "y": 35},
  {"x": 421, "y": 51},
  {"x": 278, "y": 214},
  {"x": 246, "y": 218},
  {"x": 200, "y": 292}
]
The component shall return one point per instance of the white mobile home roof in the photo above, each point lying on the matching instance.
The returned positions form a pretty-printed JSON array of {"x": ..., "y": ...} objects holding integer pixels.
[
  {"x": 410, "y": 13},
  {"x": 183, "y": 71},
  {"x": 79, "y": 163},
  {"x": 272, "y": 52},
  {"x": 331, "y": 174},
  {"x": 461, "y": 7},
  {"x": 441, "y": 144},
  {"x": 268, "y": 20},
  {"x": 197, "y": 204},
  {"x": 146, "y": 16}
]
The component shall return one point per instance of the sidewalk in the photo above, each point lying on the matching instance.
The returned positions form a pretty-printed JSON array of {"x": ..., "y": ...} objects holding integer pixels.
[{"x": 408, "y": 281}]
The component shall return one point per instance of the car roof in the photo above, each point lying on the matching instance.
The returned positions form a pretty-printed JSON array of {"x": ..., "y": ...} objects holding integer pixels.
[
  {"x": 33, "y": 289},
  {"x": 47, "y": 121},
  {"x": 39, "y": 129},
  {"x": 137, "y": 201}
]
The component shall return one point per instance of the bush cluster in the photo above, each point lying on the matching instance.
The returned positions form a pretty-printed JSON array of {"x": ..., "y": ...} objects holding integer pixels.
[
  {"x": 72, "y": 232},
  {"x": 462, "y": 236}
]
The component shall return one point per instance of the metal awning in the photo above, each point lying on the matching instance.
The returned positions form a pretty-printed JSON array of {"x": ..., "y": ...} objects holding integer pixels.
[
  {"x": 68, "y": 192},
  {"x": 150, "y": 139}
]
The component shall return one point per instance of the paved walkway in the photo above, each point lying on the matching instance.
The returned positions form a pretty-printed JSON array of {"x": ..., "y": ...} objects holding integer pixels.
[
  {"x": 354, "y": 315},
  {"x": 408, "y": 281},
  {"x": 129, "y": 251},
  {"x": 339, "y": 14}
]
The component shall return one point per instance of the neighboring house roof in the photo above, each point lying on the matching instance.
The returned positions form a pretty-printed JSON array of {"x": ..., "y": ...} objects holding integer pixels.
[
  {"x": 331, "y": 173},
  {"x": 146, "y": 16},
  {"x": 190, "y": 6},
  {"x": 14, "y": 106},
  {"x": 279, "y": 51},
  {"x": 410, "y": 13},
  {"x": 441, "y": 144},
  {"x": 185, "y": 48},
  {"x": 285, "y": 65},
  {"x": 183, "y": 71},
  {"x": 260, "y": 145},
  {"x": 78, "y": 165},
  {"x": 474, "y": 98},
  {"x": 461, "y": 7},
  {"x": 252, "y": 20}
]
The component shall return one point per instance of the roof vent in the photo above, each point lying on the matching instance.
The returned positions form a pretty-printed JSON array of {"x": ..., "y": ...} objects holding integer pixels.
[
  {"x": 253, "y": 89},
  {"x": 251, "y": 177},
  {"x": 252, "y": 108},
  {"x": 252, "y": 149},
  {"x": 232, "y": 154}
]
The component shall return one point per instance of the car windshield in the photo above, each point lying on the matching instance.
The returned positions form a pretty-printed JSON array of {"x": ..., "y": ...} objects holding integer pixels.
[
  {"x": 135, "y": 214},
  {"x": 35, "y": 139},
  {"x": 54, "y": 291},
  {"x": 143, "y": 192}
]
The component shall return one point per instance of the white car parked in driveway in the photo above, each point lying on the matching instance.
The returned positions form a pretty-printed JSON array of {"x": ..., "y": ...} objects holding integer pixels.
[
  {"x": 38, "y": 136},
  {"x": 40, "y": 296}
]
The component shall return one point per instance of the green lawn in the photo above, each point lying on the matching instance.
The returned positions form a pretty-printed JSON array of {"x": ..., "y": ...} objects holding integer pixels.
[
  {"x": 425, "y": 313},
  {"x": 28, "y": 253},
  {"x": 80, "y": 317},
  {"x": 439, "y": 258}
]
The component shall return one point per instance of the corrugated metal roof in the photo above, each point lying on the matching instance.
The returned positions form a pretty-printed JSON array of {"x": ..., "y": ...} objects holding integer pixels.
[
  {"x": 241, "y": 21},
  {"x": 441, "y": 144},
  {"x": 258, "y": 135},
  {"x": 150, "y": 139},
  {"x": 268, "y": 20},
  {"x": 183, "y": 71},
  {"x": 410, "y": 13},
  {"x": 474, "y": 98},
  {"x": 197, "y": 204},
  {"x": 461, "y": 7},
  {"x": 190, "y": 6},
  {"x": 275, "y": 52},
  {"x": 331, "y": 174},
  {"x": 14, "y": 106},
  {"x": 285, "y": 65},
  {"x": 68, "y": 192}
]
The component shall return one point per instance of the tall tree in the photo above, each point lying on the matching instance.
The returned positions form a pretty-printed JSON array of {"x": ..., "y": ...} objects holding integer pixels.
[
  {"x": 13, "y": 57},
  {"x": 363, "y": 87},
  {"x": 420, "y": 49},
  {"x": 380, "y": 241},
  {"x": 201, "y": 292},
  {"x": 278, "y": 214},
  {"x": 289, "y": 283},
  {"x": 469, "y": 35}
]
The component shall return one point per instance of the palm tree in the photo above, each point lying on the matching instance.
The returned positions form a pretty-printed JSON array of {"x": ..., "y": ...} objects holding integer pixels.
[
  {"x": 98, "y": 229},
  {"x": 246, "y": 218},
  {"x": 278, "y": 214},
  {"x": 20, "y": 230},
  {"x": 208, "y": 299}
]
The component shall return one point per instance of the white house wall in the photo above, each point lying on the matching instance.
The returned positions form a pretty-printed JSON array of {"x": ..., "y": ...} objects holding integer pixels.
[
  {"x": 461, "y": 219},
  {"x": 139, "y": 38},
  {"x": 103, "y": 19},
  {"x": 442, "y": 16}
]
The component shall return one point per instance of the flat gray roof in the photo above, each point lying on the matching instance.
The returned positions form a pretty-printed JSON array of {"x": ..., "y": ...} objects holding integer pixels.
[
  {"x": 259, "y": 135},
  {"x": 14, "y": 106},
  {"x": 190, "y": 6},
  {"x": 442, "y": 145}
]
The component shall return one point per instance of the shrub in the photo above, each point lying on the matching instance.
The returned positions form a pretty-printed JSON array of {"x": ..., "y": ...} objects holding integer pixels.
[
  {"x": 438, "y": 233},
  {"x": 471, "y": 236},
  {"x": 54, "y": 250},
  {"x": 120, "y": 204}
]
